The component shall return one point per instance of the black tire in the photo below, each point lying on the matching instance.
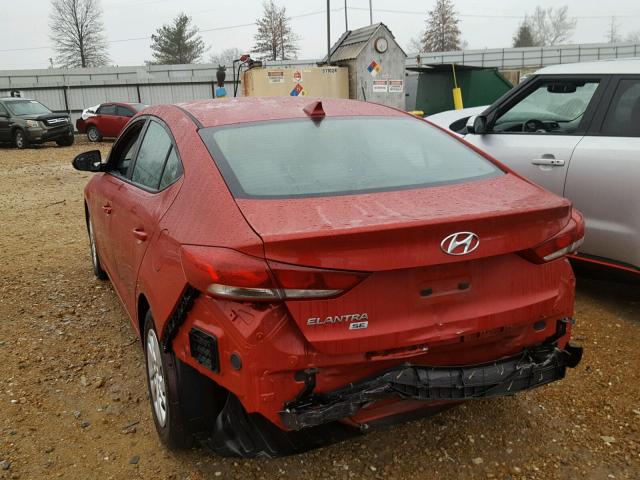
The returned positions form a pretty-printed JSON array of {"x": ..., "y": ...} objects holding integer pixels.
[
  {"x": 95, "y": 259},
  {"x": 191, "y": 401},
  {"x": 20, "y": 139},
  {"x": 66, "y": 141},
  {"x": 93, "y": 134}
]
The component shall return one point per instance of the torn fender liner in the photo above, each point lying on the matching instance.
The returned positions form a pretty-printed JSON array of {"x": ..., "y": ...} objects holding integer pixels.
[
  {"x": 178, "y": 316},
  {"x": 240, "y": 434},
  {"x": 532, "y": 368}
]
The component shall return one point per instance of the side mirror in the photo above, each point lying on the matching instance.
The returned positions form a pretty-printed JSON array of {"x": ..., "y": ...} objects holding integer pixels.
[
  {"x": 90, "y": 161},
  {"x": 477, "y": 125},
  {"x": 4, "y": 115}
]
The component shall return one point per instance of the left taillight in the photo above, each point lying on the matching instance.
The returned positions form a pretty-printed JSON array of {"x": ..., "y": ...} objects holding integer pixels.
[
  {"x": 567, "y": 241},
  {"x": 227, "y": 273}
]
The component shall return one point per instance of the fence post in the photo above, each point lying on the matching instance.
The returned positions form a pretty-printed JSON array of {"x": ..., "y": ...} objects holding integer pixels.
[
  {"x": 66, "y": 100},
  {"x": 541, "y": 57}
]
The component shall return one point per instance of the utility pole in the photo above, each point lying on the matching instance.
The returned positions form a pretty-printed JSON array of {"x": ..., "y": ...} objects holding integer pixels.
[
  {"x": 370, "y": 13},
  {"x": 328, "y": 32},
  {"x": 346, "y": 21},
  {"x": 613, "y": 36}
]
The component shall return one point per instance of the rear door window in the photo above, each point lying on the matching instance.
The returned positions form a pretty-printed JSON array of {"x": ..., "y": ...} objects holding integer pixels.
[
  {"x": 124, "y": 111},
  {"x": 340, "y": 155},
  {"x": 623, "y": 116},
  {"x": 172, "y": 169},
  {"x": 151, "y": 158}
]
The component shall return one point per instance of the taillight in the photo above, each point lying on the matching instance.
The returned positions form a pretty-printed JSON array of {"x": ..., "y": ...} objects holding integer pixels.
[
  {"x": 227, "y": 273},
  {"x": 568, "y": 240}
]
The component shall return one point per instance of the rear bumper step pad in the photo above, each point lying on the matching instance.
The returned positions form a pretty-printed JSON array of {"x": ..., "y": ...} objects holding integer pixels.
[{"x": 532, "y": 368}]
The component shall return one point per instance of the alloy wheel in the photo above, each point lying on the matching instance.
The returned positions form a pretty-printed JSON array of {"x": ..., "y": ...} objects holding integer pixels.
[
  {"x": 157, "y": 384},
  {"x": 93, "y": 135},
  {"x": 19, "y": 140}
]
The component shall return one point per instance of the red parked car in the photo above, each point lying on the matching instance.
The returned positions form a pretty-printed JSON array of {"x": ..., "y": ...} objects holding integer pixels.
[
  {"x": 297, "y": 266},
  {"x": 108, "y": 120}
]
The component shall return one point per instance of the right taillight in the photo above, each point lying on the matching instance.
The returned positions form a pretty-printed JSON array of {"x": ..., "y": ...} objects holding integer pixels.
[
  {"x": 568, "y": 240},
  {"x": 227, "y": 273}
]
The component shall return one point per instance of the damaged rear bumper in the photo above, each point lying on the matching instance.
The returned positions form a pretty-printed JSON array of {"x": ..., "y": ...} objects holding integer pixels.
[{"x": 532, "y": 368}]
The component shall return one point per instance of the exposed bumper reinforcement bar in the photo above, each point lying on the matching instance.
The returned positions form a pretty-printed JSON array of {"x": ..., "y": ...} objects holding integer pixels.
[{"x": 532, "y": 368}]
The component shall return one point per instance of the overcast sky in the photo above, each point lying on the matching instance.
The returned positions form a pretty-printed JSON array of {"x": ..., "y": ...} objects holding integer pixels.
[{"x": 484, "y": 24}]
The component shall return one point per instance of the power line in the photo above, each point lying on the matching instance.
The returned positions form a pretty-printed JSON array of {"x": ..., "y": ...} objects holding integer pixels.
[
  {"x": 203, "y": 30},
  {"x": 470, "y": 15},
  {"x": 317, "y": 12}
]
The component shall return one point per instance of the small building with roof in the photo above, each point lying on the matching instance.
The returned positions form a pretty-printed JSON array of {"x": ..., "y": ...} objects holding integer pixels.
[{"x": 376, "y": 64}]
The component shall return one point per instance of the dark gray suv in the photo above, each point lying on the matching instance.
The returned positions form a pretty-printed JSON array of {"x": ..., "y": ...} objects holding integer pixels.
[{"x": 24, "y": 122}]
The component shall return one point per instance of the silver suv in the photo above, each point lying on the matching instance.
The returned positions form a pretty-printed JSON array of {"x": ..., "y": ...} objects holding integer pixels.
[{"x": 575, "y": 130}]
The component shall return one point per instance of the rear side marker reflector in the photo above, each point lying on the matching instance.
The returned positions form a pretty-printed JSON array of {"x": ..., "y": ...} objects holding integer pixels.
[{"x": 204, "y": 349}]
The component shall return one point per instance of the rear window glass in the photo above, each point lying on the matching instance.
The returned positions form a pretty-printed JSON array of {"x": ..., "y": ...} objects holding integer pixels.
[{"x": 342, "y": 155}]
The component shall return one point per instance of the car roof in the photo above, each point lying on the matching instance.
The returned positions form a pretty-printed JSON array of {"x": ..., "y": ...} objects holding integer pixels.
[
  {"x": 213, "y": 113},
  {"x": 613, "y": 67},
  {"x": 17, "y": 99},
  {"x": 125, "y": 104}
]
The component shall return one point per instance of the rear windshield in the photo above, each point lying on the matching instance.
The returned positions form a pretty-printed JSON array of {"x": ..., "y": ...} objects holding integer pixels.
[{"x": 339, "y": 155}]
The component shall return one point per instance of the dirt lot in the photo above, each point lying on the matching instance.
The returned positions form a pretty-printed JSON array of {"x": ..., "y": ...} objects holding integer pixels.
[{"x": 73, "y": 400}]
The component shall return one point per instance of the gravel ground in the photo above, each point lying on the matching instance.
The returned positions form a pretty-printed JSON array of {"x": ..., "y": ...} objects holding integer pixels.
[{"x": 73, "y": 399}]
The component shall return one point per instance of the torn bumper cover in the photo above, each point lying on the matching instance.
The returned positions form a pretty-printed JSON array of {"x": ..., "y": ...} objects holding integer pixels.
[{"x": 532, "y": 368}]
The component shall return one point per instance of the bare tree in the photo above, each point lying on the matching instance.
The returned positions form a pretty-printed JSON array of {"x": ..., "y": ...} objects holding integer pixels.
[
  {"x": 551, "y": 26},
  {"x": 633, "y": 37},
  {"x": 442, "y": 33},
  {"x": 415, "y": 44},
  {"x": 177, "y": 42},
  {"x": 225, "y": 57},
  {"x": 613, "y": 34},
  {"x": 77, "y": 33},
  {"x": 275, "y": 38}
]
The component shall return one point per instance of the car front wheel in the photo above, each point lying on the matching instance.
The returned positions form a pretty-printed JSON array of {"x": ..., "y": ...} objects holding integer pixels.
[
  {"x": 93, "y": 134},
  {"x": 20, "y": 139},
  {"x": 66, "y": 141}
]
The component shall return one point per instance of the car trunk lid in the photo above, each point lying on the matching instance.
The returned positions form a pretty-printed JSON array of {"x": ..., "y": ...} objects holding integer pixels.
[
  {"x": 405, "y": 229},
  {"x": 416, "y": 295}
]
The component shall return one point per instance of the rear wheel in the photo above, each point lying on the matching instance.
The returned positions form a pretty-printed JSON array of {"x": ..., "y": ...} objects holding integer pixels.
[
  {"x": 93, "y": 134},
  {"x": 20, "y": 139},
  {"x": 65, "y": 141},
  {"x": 95, "y": 260},
  {"x": 183, "y": 402}
]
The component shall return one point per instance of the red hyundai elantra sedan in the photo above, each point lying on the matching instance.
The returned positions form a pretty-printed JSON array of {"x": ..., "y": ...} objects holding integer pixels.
[{"x": 297, "y": 268}]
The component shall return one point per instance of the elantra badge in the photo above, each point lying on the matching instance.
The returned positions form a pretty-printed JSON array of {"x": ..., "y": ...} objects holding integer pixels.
[
  {"x": 460, "y": 243},
  {"x": 356, "y": 321}
]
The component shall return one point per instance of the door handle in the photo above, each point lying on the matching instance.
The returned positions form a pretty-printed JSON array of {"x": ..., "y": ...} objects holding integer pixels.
[
  {"x": 107, "y": 209},
  {"x": 549, "y": 162},
  {"x": 140, "y": 234}
]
